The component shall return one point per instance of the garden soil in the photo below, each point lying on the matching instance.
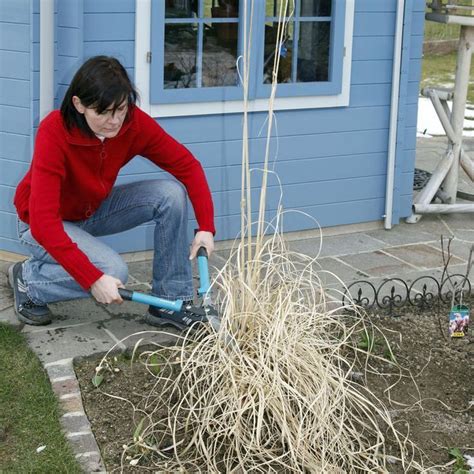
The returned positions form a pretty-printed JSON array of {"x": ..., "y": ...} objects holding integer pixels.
[{"x": 433, "y": 399}]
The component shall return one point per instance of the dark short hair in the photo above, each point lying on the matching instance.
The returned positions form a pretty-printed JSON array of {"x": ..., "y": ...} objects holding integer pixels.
[{"x": 99, "y": 83}]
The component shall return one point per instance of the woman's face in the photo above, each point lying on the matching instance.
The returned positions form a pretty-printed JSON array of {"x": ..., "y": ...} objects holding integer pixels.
[{"x": 108, "y": 123}]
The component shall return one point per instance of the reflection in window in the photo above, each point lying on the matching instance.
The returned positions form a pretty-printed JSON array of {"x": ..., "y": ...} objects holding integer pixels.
[
  {"x": 180, "y": 8},
  {"x": 313, "y": 51},
  {"x": 305, "y": 47},
  {"x": 201, "y": 43},
  {"x": 286, "y": 52},
  {"x": 220, "y": 55},
  {"x": 180, "y": 56},
  {"x": 315, "y": 7}
]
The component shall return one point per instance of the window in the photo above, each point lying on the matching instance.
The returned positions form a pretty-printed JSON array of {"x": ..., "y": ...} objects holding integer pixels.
[
  {"x": 195, "y": 45},
  {"x": 311, "y": 52}
]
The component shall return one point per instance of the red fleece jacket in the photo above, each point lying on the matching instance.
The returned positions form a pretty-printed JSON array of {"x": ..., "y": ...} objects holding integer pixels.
[{"x": 71, "y": 174}]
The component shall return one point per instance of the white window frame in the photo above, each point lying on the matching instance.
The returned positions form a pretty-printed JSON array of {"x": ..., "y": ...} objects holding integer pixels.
[{"x": 142, "y": 77}]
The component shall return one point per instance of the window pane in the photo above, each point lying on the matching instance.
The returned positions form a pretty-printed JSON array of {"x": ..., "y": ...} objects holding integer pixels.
[
  {"x": 221, "y": 8},
  {"x": 313, "y": 51},
  {"x": 273, "y": 7},
  {"x": 220, "y": 55},
  {"x": 180, "y": 56},
  {"x": 316, "y": 7},
  {"x": 286, "y": 51},
  {"x": 180, "y": 8}
]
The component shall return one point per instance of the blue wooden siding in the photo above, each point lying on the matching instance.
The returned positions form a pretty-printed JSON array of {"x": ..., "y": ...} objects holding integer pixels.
[
  {"x": 331, "y": 161},
  {"x": 109, "y": 28},
  {"x": 69, "y": 55},
  {"x": 17, "y": 93}
]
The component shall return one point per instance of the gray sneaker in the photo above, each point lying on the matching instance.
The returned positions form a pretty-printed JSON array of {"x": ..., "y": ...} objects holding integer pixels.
[{"x": 26, "y": 310}]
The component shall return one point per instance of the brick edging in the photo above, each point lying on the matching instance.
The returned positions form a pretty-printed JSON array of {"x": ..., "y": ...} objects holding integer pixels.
[{"x": 74, "y": 420}]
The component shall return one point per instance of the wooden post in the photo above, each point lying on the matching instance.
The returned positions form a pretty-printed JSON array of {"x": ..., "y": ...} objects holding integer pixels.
[
  {"x": 429, "y": 191},
  {"x": 442, "y": 208},
  {"x": 466, "y": 43}
]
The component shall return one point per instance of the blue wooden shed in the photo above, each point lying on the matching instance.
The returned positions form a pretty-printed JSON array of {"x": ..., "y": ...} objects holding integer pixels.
[{"x": 345, "y": 135}]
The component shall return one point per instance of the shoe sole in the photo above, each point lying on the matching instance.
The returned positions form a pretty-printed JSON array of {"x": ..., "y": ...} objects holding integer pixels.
[
  {"x": 15, "y": 303},
  {"x": 163, "y": 322}
]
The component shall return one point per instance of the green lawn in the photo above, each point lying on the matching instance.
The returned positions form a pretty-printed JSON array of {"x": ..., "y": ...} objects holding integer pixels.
[
  {"x": 440, "y": 31},
  {"x": 439, "y": 70},
  {"x": 29, "y": 413}
]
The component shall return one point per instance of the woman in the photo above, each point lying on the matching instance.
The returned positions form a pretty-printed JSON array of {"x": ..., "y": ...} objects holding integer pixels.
[{"x": 68, "y": 198}]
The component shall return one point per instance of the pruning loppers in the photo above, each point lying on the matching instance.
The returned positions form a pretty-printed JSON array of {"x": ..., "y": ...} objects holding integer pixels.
[{"x": 191, "y": 315}]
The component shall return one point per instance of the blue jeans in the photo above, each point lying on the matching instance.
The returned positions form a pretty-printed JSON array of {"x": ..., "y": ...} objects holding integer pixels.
[{"x": 163, "y": 202}]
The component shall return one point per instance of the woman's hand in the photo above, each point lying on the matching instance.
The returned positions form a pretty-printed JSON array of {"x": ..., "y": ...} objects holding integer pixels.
[
  {"x": 202, "y": 239},
  {"x": 105, "y": 290}
]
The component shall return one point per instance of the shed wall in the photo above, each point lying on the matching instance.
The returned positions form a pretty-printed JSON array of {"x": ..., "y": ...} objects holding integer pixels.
[{"x": 332, "y": 162}]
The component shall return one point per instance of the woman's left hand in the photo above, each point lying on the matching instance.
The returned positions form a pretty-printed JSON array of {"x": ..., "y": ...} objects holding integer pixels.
[{"x": 202, "y": 239}]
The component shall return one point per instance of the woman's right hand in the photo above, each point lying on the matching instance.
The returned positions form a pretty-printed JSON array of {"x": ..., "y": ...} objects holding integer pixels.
[{"x": 105, "y": 290}]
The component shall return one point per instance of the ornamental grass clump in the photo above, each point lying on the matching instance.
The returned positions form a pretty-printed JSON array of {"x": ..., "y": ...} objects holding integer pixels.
[{"x": 273, "y": 389}]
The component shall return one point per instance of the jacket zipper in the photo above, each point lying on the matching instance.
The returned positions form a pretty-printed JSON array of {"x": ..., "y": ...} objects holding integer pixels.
[{"x": 102, "y": 156}]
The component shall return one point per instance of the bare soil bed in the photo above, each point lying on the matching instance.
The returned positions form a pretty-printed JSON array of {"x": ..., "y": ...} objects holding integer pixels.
[{"x": 433, "y": 399}]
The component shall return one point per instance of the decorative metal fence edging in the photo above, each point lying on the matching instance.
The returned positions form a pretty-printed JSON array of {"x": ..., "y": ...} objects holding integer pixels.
[{"x": 393, "y": 293}]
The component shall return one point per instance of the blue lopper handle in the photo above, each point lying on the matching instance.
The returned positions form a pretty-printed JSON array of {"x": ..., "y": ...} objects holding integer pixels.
[
  {"x": 203, "y": 271},
  {"x": 151, "y": 300}
]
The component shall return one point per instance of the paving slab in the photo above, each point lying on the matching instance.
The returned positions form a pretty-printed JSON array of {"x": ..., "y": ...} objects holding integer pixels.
[
  {"x": 377, "y": 264},
  {"x": 141, "y": 271},
  {"x": 138, "y": 256},
  {"x": 4, "y": 281},
  {"x": 134, "y": 284},
  {"x": 342, "y": 270},
  {"x": 458, "y": 248},
  {"x": 217, "y": 262},
  {"x": 465, "y": 235},
  {"x": 459, "y": 221},
  {"x": 335, "y": 245},
  {"x": 130, "y": 331},
  {"x": 61, "y": 343},
  {"x": 6, "y": 299},
  {"x": 222, "y": 255},
  {"x": 6, "y": 293},
  {"x": 8, "y": 316},
  {"x": 420, "y": 255},
  {"x": 430, "y": 223},
  {"x": 402, "y": 234},
  {"x": 72, "y": 313}
]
